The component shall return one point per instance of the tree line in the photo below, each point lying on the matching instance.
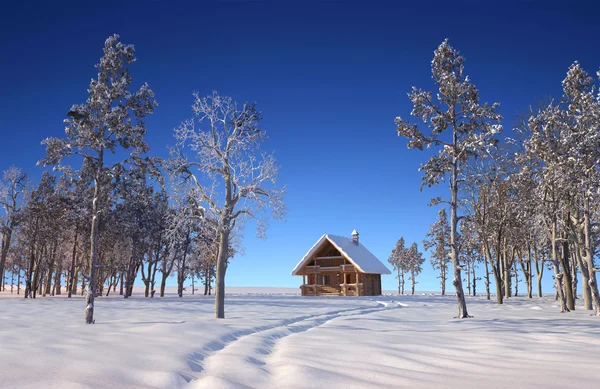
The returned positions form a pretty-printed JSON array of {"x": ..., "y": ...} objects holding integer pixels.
[
  {"x": 519, "y": 204},
  {"x": 110, "y": 212}
]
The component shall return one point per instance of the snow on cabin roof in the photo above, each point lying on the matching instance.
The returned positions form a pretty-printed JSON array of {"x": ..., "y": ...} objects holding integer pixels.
[{"x": 358, "y": 254}]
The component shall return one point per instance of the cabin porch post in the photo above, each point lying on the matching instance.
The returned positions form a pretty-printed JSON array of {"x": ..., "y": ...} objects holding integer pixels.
[{"x": 303, "y": 288}]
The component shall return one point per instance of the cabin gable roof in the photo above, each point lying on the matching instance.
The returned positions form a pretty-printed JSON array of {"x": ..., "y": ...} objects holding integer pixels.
[{"x": 357, "y": 254}]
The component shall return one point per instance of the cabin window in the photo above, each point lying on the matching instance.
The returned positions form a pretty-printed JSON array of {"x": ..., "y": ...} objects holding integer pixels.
[{"x": 325, "y": 280}]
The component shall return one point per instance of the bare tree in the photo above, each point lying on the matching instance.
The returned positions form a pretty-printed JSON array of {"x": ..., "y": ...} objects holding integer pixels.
[
  {"x": 564, "y": 146},
  {"x": 415, "y": 265},
  {"x": 12, "y": 192},
  {"x": 398, "y": 261},
  {"x": 438, "y": 239},
  {"x": 234, "y": 179}
]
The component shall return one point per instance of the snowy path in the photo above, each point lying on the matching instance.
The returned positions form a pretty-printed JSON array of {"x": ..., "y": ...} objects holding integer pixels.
[
  {"x": 281, "y": 341},
  {"x": 243, "y": 358}
]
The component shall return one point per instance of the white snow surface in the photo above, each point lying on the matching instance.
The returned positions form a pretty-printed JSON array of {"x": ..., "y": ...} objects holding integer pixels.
[
  {"x": 287, "y": 341},
  {"x": 359, "y": 255}
]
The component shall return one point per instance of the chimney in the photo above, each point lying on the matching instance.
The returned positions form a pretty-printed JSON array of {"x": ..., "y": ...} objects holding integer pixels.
[{"x": 355, "y": 237}]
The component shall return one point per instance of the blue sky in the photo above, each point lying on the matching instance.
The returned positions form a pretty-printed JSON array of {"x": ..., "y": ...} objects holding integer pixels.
[{"x": 328, "y": 76}]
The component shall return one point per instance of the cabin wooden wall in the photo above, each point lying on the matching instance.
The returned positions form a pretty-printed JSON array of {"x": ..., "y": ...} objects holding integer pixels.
[
  {"x": 329, "y": 262},
  {"x": 372, "y": 284},
  {"x": 368, "y": 284}
]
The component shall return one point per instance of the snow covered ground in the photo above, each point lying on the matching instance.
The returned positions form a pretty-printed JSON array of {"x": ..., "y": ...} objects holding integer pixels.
[{"x": 279, "y": 340}]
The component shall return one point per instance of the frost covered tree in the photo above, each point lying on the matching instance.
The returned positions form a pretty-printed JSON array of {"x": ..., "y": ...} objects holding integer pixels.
[
  {"x": 76, "y": 198},
  {"x": 461, "y": 127},
  {"x": 564, "y": 148},
  {"x": 234, "y": 179},
  {"x": 491, "y": 209},
  {"x": 582, "y": 142},
  {"x": 415, "y": 265},
  {"x": 398, "y": 261},
  {"x": 138, "y": 211},
  {"x": 12, "y": 199},
  {"x": 205, "y": 256},
  {"x": 438, "y": 239},
  {"x": 40, "y": 233},
  {"x": 470, "y": 249},
  {"x": 111, "y": 119}
]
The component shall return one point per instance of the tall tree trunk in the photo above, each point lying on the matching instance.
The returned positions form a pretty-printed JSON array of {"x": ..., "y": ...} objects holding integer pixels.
[
  {"x": 146, "y": 279},
  {"x": 181, "y": 276},
  {"x": 565, "y": 259},
  {"x": 49, "y": 277},
  {"x": 487, "y": 278},
  {"x": 4, "y": 252},
  {"x": 163, "y": 284},
  {"x": 95, "y": 240},
  {"x": 474, "y": 278},
  {"x": 36, "y": 278},
  {"x": 167, "y": 273},
  {"x": 153, "y": 279},
  {"x": 206, "y": 280},
  {"x": 529, "y": 284},
  {"x": 181, "y": 273},
  {"x": 136, "y": 269},
  {"x": 57, "y": 280},
  {"x": 132, "y": 268},
  {"x": 72, "y": 279},
  {"x": 29, "y": 275},
  {"x": 585, "y": 275},
  {"x": 48, "y": 286},
  {"x": 457, "y": 281},
  {"x": 468, "y": 271},
  {"x": 110, "y": 281},
  {"x": 589, "y": 258},
  {"x": 444, "y": 270},
  {"x": 82, "y": 283},
  {"x": 402, "y": 280},
  {"x": 573, "y": 264},
  {"x": 499, "y": 292},
  {"x": 75, "y": 280},
  {"x": 506, "y": 266},
  {"x": 539, "y": 270},
  {"x": 496, "y": 270},
  {"x": 526, "y": 268},
  {"x": 557, "y": 274},
  {"x": 19, "y": 280},
  {"x": 12, "y": 280},
  {"x": 222, "y": 258}
]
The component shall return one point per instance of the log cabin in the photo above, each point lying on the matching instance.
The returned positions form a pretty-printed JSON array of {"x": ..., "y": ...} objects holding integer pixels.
[{"x": 339, "y": 266}]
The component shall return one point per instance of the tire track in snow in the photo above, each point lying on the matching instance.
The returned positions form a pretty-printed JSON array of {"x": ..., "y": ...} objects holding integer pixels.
[{"x": 250, "y": 347}]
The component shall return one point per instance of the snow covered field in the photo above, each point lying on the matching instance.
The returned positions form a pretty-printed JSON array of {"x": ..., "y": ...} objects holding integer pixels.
[{"x": 278, "y": 340}]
